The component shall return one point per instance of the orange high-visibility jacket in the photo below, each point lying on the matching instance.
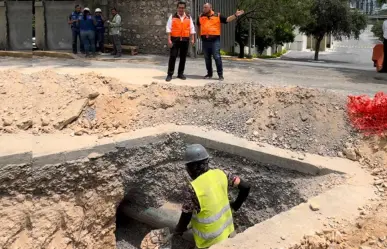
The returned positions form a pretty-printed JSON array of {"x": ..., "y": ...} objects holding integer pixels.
[
  {"x": 378, "y": 56},
  {"x": 210, "y": 25},
  {"x": 181, "y": 28}
]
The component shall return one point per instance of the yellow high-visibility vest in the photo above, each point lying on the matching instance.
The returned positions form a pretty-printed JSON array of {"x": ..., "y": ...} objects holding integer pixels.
[{"x": 214, "y": 222}]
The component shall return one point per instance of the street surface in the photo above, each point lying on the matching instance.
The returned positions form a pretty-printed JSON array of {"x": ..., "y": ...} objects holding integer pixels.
[
  {"x": 345, "y": 53},
  {"x": 147, "y": 69},
  {"x": 347, "y": 67}
]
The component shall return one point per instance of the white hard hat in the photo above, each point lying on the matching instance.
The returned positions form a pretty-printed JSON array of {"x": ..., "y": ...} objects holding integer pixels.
[
  {"x": 98, "y": 10},
  {"x": 86, "y": 9}
]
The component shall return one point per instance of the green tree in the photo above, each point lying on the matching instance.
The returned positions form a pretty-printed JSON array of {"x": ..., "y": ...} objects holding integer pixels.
[
  {"x": 273, "y": 21},
  {"x": 333, "y": 17},
  {"x": 377, "y": 29}
]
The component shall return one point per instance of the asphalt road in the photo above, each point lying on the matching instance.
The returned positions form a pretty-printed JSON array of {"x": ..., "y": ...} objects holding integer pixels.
[
  {"x": 345, "y": 53},
  {"x": 349, "y": 80}
]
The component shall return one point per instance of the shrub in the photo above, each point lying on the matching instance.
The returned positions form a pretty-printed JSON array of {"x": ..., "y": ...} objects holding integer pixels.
[{"x": 377, "y": 29}]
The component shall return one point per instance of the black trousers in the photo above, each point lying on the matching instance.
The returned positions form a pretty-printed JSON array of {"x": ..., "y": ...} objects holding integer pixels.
[
  {"x": 178, "y": 47},
  {"x": 385, "y": 55}
]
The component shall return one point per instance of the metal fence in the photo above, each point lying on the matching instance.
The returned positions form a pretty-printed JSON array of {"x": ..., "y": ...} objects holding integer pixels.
[{"x": 224, "y": 7}]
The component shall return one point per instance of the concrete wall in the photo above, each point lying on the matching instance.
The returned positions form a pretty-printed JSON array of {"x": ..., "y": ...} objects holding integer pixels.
[
  {"x": 3, "y": 26},
  {"x": 58, "y": 34},
  {"x": 19, "y": 15},
  {"x": 300, "y": 42},
  {"x": 144, "y": 22},
  {"x": 40, "y": 29}
]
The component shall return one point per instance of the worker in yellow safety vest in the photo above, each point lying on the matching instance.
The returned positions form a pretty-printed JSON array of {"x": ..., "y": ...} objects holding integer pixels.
[{"x": 206, "y": 205}]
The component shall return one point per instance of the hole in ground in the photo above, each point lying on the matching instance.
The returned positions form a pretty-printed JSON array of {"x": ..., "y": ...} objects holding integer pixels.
[{"x": 274, "y": 190}]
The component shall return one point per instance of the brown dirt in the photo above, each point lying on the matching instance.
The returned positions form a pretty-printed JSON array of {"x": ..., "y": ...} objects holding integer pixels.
[
  {"x": 58, "y": 222},
  {"x": 294, "y": 118}
]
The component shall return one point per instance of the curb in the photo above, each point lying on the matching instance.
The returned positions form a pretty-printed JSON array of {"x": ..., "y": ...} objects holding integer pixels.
[
  {"x": 236, "y": 59},
  {"x": 53, "y": 54},
  {"x": 22, "y": 54},
  {"x": 17, "y": 54}
]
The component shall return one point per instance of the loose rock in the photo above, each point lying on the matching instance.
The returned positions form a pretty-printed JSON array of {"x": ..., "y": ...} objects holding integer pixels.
[
  {"x": 350, "y": 154},
  {"x": 314, "y": 206}
]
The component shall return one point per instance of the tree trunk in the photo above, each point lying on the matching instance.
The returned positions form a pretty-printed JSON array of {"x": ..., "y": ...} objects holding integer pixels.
[
  {"x": 317, "y": 49},
  {"x": 241, "y": 49}
]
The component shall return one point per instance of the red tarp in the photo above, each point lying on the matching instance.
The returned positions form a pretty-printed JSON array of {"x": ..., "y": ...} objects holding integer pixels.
[{"x": 367, "y": 114}]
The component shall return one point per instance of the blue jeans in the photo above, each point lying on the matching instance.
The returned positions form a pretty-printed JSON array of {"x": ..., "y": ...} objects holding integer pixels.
[
  {"x": 212, "y": 48},
  {"x": 99, "y": 40},
  {"x": 88, "y": 38},
  {"x": 75, "y": 35}
]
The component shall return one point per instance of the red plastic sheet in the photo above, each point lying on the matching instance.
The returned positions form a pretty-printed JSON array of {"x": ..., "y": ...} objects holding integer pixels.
[{"x": 368, "y": 114}]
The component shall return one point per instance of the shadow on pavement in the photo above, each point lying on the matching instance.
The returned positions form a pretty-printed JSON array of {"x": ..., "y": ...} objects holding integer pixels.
[{"x": 363, "y": 76}]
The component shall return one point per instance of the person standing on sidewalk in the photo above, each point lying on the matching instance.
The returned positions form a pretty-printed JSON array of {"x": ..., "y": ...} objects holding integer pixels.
[
  {"x": 209, "y": 24},
  {"x": 384, "y": 70},
  {"x": 115, "y": 33},
  {"x": 87, "y": 27},
  {"x": 74, "y": 22},
  {"x": 99, "y": 30},
  {"x": 180, "y": 28}
]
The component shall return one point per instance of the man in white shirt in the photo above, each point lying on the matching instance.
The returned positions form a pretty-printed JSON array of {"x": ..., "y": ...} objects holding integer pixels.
[
  {"x": 180, "y": 30},
  {"x": 385, "y": 46}
]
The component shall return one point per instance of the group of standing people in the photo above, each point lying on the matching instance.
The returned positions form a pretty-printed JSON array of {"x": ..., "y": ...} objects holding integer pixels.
[
  {"x": 90, "y": 30},
  {"x": 181, "y": 31}
]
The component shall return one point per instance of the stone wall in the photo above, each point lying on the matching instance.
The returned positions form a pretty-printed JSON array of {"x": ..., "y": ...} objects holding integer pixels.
[{"x": 144, "y": 23}]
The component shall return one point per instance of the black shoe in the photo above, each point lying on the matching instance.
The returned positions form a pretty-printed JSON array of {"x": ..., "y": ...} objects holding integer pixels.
[
  {"x": 207, "y": 77},
  {"x": 112, "y": 53},
  {"x": 221, "y": 78},
  {"x": 182, "y": 77},
  {"x": 117, "y": 56},
  {"x": 169, "y": 78}
]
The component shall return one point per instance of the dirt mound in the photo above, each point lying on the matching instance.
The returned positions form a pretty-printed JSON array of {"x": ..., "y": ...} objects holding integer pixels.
[{"x": 293, "y": 118}]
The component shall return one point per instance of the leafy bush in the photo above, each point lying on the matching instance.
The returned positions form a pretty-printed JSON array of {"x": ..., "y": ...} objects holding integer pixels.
[
  {"x": 377, "y": 29},
  {"x": 273, "y": 56},
  {"x": 222, "y": 52}
]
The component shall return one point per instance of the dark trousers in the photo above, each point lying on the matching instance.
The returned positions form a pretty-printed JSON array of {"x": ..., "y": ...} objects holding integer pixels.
[
  {"x": 212, "y": 49},
  {"x": 88, "y": 41},
  {"x": 116, "y": 44},
  {"x": 77, "y": 35},
  {"x": 385, "y": 56},
  {"x": 99, "y": 40},
  {"x": 182, "y": 47}
]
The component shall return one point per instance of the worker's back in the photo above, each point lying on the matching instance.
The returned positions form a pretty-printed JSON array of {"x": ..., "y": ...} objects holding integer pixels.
[{"x": 214, "y": 222}]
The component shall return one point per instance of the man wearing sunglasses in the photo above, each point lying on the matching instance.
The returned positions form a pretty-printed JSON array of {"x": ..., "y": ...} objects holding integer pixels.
[
  {"x": 206, "y": 204},
  {"x": 180, "y": 29}
]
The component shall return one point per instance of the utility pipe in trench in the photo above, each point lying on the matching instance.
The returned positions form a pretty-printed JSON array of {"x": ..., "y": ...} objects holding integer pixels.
[{"x": 155, "y": 217}]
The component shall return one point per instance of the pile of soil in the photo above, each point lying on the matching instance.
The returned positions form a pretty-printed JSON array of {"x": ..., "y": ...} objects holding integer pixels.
[
  {"x": 301, "y": 119},
  {"x": 293, "y": 118}
]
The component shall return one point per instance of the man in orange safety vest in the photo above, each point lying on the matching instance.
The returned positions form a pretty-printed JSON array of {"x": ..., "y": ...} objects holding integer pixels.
[
  {"x": 180, "y": 30},
  {"x": 209, "y": 24}
]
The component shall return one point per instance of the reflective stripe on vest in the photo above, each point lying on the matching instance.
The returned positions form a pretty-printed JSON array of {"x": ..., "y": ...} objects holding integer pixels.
[
  {"x": 210, "y": 25},
  {"x": 214, "y": 222},
  {"x": 180, "y": 28},
  {"x": 75, "y": 16},
  {"x": 214, "y": 235},
  {"x": 213, "y": 218}
]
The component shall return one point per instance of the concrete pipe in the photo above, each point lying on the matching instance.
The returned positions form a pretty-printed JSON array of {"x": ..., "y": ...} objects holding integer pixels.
[{"x": 156, "y": 217}]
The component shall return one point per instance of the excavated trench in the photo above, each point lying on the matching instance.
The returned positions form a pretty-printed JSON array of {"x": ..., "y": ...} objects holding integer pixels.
[
  {"x": 161, "y": 186},
  {"x": 78, "y": 201}
]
